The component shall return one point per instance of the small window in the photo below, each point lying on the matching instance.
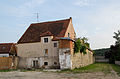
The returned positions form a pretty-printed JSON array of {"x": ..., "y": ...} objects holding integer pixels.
[
  {"x": 45, "y": 40},
  {"x": 68, "y": 34},
  {"x": 45, "y": 63},
  {"x": 55, "y": 63},
  {"x": 55, "y": 44},
  {"x": 46, "y": 51}
]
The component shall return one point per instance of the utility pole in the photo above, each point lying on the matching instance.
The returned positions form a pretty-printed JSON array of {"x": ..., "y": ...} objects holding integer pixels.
[{"x": 37, "y": 16}]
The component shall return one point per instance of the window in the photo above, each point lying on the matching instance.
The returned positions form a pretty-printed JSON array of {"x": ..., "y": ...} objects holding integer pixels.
[
  {"x": 68, "y": 34},
  {"x": 45, "y": 63},
  {"x": 35, "y": 63},
  {"x": 55, "y": 44},
  {"x": 46, "y": 51},
  {"x": 45, "y": 40},
  {"x": 55, "y": 63}
]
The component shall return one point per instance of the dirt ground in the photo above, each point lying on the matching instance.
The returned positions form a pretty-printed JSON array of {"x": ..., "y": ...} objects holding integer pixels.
[{"x": 53, "y": 75}]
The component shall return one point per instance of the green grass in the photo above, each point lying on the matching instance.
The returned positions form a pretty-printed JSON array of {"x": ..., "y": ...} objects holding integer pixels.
[
  {"x": 116, "y": 68},
  {"x": 8, "y": 70},
  {"x": 96, "y": 67}
]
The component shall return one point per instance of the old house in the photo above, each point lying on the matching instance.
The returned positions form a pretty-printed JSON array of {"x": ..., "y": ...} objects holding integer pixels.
[
  {"x": 48, "y": 45},
  {"x": 5, "y": 49},
  {"x": 8, "y": 59}
]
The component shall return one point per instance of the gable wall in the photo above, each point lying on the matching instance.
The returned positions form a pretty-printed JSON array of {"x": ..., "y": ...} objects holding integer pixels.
[{"x": 70, "y": 30}]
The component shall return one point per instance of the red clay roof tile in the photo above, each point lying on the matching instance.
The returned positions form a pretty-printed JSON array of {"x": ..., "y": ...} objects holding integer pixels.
[
  {"x": 35, "y": 31},
  {"x": 5, "y": 47}
]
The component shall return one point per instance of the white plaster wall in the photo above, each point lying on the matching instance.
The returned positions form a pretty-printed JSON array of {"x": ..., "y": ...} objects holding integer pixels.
[
  {"x": 37, "y": 49},
  {"x": 65, "y": 59},
  {"x": 31, "y": 51},
  {"x": 4, "y": 55}
]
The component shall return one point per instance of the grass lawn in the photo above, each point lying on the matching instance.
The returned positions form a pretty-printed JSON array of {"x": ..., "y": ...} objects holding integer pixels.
[
  {"x": 116, "y": 68},
  {"x": 96, "y": 67}
]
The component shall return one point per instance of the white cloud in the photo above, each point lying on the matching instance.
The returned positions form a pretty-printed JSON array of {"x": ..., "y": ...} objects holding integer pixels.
[
  {"x": 82, "y": 3},
  {"x": 101, "y": 25},
  {"x": 22, "y": 10}
]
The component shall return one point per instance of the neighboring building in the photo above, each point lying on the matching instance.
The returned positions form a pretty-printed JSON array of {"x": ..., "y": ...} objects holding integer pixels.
[
  {"x": 47, "y": 45},
  {"x": 5, "y": 49}
]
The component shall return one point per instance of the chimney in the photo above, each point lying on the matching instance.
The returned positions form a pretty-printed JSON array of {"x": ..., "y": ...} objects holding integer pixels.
[{"x": 70, "y": 17}]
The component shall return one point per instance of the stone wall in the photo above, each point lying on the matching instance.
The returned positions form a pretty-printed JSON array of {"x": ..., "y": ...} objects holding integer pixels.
[{"x": 80, "y": 59}]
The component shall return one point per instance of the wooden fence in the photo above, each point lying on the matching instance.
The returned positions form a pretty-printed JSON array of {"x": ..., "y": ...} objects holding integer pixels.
[{"x": 8, "y": 63}]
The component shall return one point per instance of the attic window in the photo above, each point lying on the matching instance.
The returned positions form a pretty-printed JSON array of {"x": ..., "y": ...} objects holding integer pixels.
[
  {"x": 45, "y": 40},
  {"x": 68, "y": 34}
]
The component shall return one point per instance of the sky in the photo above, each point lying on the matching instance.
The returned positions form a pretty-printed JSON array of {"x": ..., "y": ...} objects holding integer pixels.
[{"x": 95, "y": 19}]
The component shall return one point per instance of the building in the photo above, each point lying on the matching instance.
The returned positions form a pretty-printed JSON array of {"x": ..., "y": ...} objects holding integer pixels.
[
  {"x": 47, "y": 45},
  {"x": 5, "y": 49}
]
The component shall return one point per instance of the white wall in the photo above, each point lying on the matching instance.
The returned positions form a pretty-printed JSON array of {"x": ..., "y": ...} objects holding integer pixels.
[
  {"x": 37, "y": 49},
  {"x": 4, "y": 55},
  {"x": 32, "y": 51}
]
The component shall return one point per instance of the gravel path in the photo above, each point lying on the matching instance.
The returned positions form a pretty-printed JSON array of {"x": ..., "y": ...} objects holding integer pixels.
[{"x": 51, "y": 75}]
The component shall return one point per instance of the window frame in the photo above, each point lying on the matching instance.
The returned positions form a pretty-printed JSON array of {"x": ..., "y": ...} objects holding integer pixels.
[
  {"x": 45, "y": 40},
  {"x": 46, "y": 52},
  {"x": 68, "y": 34},
  {"x": 55, "y": 44}
]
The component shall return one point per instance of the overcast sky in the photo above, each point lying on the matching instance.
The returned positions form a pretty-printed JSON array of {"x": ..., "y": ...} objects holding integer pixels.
[{"x": 95, "y": 19}]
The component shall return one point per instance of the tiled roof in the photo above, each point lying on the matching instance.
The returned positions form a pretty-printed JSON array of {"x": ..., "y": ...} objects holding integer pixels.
[
  {"x": 48, "y": 33},
  {"x": 37, "y": 30},
  {"x": 5, "y": 47}
]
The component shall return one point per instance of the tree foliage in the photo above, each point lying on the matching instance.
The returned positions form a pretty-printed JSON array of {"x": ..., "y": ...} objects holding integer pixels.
[
  {"x": 81, "y": 45},
  {"x": 101, "y": 52},
  {"x": 77, "y": 46},
  {"x": 117, "y": 37},
  {"x": 114, "y": 53}
]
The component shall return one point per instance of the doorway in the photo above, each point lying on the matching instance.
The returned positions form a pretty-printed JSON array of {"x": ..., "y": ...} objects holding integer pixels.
[{"x": 35, "y": 63}]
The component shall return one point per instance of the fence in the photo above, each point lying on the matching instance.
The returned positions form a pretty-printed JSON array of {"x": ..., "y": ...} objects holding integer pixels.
[
  {"x": 117, "y": 62},
  {"x": 101, "y": 59},
  {"x": 8, "y": 63}
]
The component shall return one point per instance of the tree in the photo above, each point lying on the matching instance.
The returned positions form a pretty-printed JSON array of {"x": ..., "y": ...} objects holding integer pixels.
[
  {"x": 81, "y": 45},
  {"x": 117, "y": 37},
  {"x": 77, "y": 45},
  {"x": 114, "y": 53}
]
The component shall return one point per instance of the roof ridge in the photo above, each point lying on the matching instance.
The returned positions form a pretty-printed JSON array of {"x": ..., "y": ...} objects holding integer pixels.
[
  {"x": 6, "y": 43},
  {"x": 53, "y": 21}
]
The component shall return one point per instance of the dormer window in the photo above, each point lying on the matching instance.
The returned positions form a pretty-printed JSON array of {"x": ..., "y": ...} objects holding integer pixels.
[
  {"x": 68, "y": 34},
  {"x": 45, "y": 40}
]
